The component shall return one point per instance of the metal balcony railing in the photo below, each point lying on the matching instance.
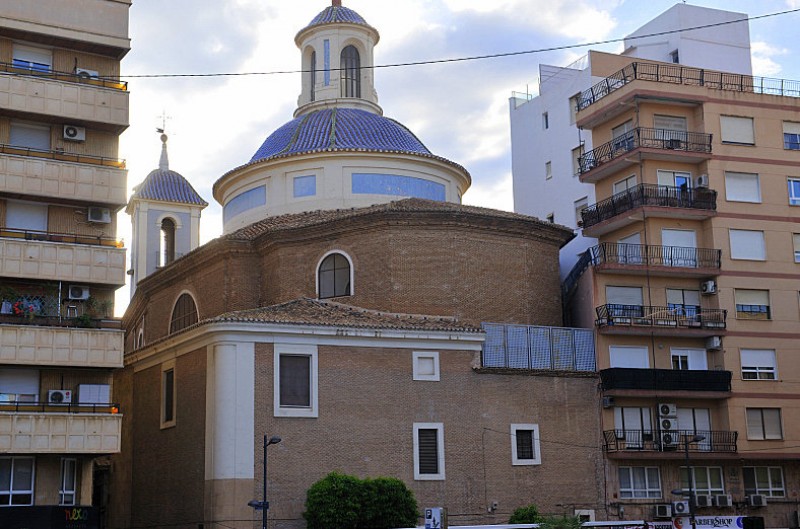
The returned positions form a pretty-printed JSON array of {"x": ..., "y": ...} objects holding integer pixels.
[
  {"x": 62, "y": 156},
  {"x": 653, "y": 255},
  {"x": 678, "y": 316},
  {"x": 665, "y": 139},
  {"x": 652, "y": 441},
  {"x": 71, "y": 238},
  {"x": 665, "y": 379},
  {"x": 649, "y": 195},
  {"x": 69, "y": 77},
  {"x": 677, "y": 74},
  {"x": 45, "y": 407},
  {"x": 538, "y": 347}
]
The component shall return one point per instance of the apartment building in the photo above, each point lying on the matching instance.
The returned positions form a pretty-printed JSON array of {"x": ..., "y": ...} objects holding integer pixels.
[
  {"x": 693, "y": 287},
  {"x": 545, "y": 140},
  {"x": 62, "y": 109}
]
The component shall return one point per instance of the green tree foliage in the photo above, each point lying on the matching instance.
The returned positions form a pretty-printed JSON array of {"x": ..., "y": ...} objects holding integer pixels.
[
  {"x": 339, "y": 501},
  {"x": 560, "y": 522},
  {"x": 527, "y": 514}
]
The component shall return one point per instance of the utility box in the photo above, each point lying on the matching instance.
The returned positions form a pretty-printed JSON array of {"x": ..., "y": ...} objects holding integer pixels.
[
  {"x": 436, "y": 518},
  {"x": 94, "y": 394}
]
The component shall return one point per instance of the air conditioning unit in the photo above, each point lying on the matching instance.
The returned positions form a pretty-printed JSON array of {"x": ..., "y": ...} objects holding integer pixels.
[
  {"x": 608, "y": 402},
  {"x": 100, "y": 215},
  {"x": 757, "y": 500},
  {"x": 668, "y": 424},
  {"x": 74, "y": 133},
  {"x": 704, "y": 500},
  {"x": 669, "y": 440},
  {"x": 714, "y": 343},
  {"x": 667, "y": 410},
  {"x": 680, "y": 507},
  {"x": 59, "y": 396},
  {"x": 701, "y": 181},
  {"x": 708, "y": 287},
  {"x": 78, "y": 292},
  {"x": 723, "y": 500},
  {"x": 663, "y": 510},
  {"x": 86, "y": 74}
]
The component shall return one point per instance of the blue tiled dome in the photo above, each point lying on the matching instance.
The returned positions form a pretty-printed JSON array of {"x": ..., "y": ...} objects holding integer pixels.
[
  {"x": 334, "y": 14},
  {"x": 340, "y": 129},
  {"x": 168, "y": 186}
]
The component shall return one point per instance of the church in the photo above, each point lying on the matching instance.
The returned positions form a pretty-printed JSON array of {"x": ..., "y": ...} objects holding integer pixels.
[{"x": 355, "y": 308}]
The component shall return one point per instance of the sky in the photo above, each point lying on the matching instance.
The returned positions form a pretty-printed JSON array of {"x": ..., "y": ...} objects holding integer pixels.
[{"x": 458, "y": 110}]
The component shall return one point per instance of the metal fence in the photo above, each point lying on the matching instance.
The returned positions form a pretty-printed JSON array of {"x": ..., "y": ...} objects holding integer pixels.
[
  {"x": 538, "y": 347},
  {"x": 654, "y": 255}
]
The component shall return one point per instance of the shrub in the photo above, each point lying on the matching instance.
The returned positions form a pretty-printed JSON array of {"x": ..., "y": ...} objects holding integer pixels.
[
  {"x": 528, "y": 514},
  {"x": 560, "y": 522},
  {"x": 339, "y": 501}
]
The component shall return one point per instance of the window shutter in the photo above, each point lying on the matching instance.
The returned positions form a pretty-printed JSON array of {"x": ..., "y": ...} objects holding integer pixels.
[
  {"x": 747, "y": 244},
  {"x": 624, "y": 295},
  {"x": 31, "y": 136},
  {"x": 790, "y": 127},
  {"x": 677, "y": 123},
  {"x": 751, "y": 297},
  {"x": 772, "y": 424},
  {"x": 758, "y": 357},
  {"x": 742, "y": 187},
  {"x": 737, "y": 130},
  {"x": 428, "y": 451}
]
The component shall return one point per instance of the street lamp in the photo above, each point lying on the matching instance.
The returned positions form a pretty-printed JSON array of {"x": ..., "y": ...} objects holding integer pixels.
[
  {"x": 263, "y": 505},
  {"x": 690, "y": 476}
]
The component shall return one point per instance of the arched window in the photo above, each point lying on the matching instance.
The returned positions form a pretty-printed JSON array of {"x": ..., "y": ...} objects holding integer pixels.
[
  {"x": 313, "y": 76},
  {"x": 167, "y": 248},
  {"x": 334, "y": 276},
  {"x": 184, "y": 314},
  {"x": 351, "y": 72}
]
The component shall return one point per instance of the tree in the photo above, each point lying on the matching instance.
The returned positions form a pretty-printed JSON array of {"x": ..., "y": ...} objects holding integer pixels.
[
  {"x": 527, "y": 514},
  {"x": 339, "y": 501}
]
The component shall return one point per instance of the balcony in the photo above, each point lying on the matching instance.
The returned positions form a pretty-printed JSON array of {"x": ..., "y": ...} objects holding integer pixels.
[
  {"x": 35, "y": 93},
  {"x": 63, "y": 429},
  {"x": 45, "y": 341},
  {"x": 659, "y": 144},
  {"x": 656, "y": 200},
  {"x": 640, "y": 259},
  {"x": 66, "y": 176},
  {"x": 674, "y": 320},
  {"x": 538, "y": 347},
  {"x": 659, "y": 380},
  {"x": 720, "y": 441},
  {"x": 61, "y": 257}
]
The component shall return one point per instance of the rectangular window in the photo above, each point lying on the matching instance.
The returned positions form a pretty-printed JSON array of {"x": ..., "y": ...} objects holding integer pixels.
[
  {"x": 748, "y": 245},
  {"x": 796, "y": 243},
  {"x": 707, "y": 480},
  {"x": 30, "y": 58},
  {"x": 573, "y": 107},
  {"x": 742, "y": 187},
  {"x": 639, "y": 482},
  {"x": 69, "y": 481},
  {"x": 525, "y": 444},
  {"x": 19, "y": 385},
  {"x": 545, "y": 121},
  {"x": 764, "y": 423},
  {"x": 764, "y": 480},
  {"x": 758, "y": 364},
  {"x": 30, "y": 135},
  {"x": 548, "y": 170},
  {"x": 425, "y": 365},
  {"x": 794, "y": 192},
  {"x": 622, "y": 136},
  {"x": 580, "y": 205},
  {"x": 791, "y": 135},
  {"x": 168, "y": 400},
  {"x": 577, "y": 152},
  {"x": 632, "y": 356},
  {"x": 304, "y": 186},
  {"x": 737, "y": 130},
  {"x": 428, "y": 451},
  {"x": 16, "y": 481},
  {"x": 295, "y": 381},
  {"x": 752, "y": 304},
  {"x": 624, "y": 184}
]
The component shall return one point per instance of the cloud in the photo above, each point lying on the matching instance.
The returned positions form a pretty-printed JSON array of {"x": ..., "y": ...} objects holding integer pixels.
[{"x": 762, "y": 54}]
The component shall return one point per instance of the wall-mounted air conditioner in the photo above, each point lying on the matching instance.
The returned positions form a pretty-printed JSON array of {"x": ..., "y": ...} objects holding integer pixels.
[
  {"x": 723, "y": 500},
  {"x": 59, "y": 396},
  {"x": 704, "y": 500},
  {"x": 701, "y": 181},
  {"x": 714, "y": 343},
  {"x": 757, "y": 500},
  {"x": 667, "y": 410},
  {"x": 86, "y": 74},
  {"x": 669, "y": 441},
  {"x": 608, "y": 402},
  {"x": 708, "y": 287},
  {"x": 100, "y": 215},
  {"x": 663, "y": 510},
  {"x": 74, "y": 133},
  {"x": 78, "y": 292},
  {"x": 680, "y": 507}
]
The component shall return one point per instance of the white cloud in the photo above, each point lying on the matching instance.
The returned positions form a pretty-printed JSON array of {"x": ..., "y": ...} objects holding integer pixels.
[{"x": 762, "y": 55}]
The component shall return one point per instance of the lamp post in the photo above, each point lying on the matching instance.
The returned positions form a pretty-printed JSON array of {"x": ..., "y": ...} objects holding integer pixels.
[
  {"x": 690, "y": 477},
  {"x": 263, "y": 505}
]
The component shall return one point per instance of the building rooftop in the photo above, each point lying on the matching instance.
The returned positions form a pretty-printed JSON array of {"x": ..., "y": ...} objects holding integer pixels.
[
  {"x": 336, "y": 14},
  {"x": 165, "y": 185}
]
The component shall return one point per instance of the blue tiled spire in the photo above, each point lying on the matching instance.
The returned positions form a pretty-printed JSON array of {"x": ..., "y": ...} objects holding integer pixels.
[
  {"x": 166, "y": 185},
  {"x": 337, "y": 13}
]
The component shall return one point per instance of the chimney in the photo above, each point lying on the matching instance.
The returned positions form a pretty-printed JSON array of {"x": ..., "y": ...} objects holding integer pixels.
[{"x": 336, "y": 3}]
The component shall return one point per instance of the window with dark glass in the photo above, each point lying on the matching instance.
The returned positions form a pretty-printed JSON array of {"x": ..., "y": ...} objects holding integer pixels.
[
  {"x": 524, "y": 444},
  {"x": 16, "y": 481},
  {"x": 428, "y": 450},
  {"x": 312, "y": 75},
  {"x": 351, "y": 72},
  {"x": 295, "y": 381},
  {"x": 167, "y": 248},
  {"x": 168, "y": 396},
  {"x": 334, "y": 276},
  {"x": 184, "y": 314}
]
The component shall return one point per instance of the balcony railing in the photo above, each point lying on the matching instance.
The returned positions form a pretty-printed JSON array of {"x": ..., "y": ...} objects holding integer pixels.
[
  {"x": 68, "y": 77},
  {"x": 538, "y": 347},
  {"x": 677, "y": 74},
  {"x": 43, "y": 407},
  {"x": 700, "y": 198},
  {"x": 71, "y": 238},
  {"x": 665, "y": 379},
  {"x": 677, "y": 316},
  {"x": 62, "y": 156},
  {"x": 653, "y": 255},
  {"x": 672, "y": 140},
  {"x": 650, "y": 441}
]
